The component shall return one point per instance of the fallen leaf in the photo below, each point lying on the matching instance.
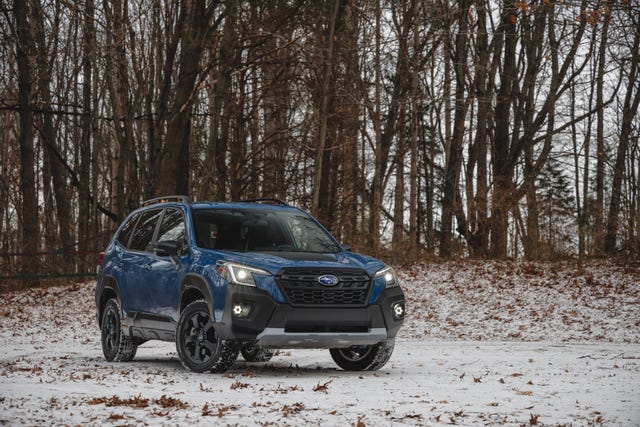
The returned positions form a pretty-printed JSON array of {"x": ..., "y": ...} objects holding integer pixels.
[
  {"x": 238, "y": 384},
  {"x": 115, "y": 417},
  {"x": 294, "y": 408},
  {"x": 322, "y": 387},
  {"x": 170, "y": 402},
  {"x": 134, "y": 402},
  {"x": 533, "y": 420}
]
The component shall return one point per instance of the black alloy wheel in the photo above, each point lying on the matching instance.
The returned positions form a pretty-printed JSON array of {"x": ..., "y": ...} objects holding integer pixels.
[
  {"x": 198, "y": 346},
  {"x": 116, "y": 346}
]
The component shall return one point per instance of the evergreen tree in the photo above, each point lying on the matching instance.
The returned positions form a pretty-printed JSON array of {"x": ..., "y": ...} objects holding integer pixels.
[{"x": 557, "y": 207}]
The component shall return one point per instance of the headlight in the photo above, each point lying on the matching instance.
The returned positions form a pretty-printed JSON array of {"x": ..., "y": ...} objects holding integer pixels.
[
  {"x": 239, "y": 274},
  {"x": 389, "y": 276}
]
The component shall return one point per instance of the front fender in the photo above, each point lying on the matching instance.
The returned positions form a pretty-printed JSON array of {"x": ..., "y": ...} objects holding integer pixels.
[{"x": 196, "y": 282}]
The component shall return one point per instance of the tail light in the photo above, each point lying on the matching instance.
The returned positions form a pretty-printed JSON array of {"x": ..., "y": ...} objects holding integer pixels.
[{"x": 100, "y": 260}]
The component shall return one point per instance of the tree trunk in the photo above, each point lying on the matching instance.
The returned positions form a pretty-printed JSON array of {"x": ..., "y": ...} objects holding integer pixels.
[
  {"x": 600, "y": 140},
  {"x": 531, "y": 239},
  {"x": 88, "y": 58},
  {"x": 502, "y": 172},
  {"x": 414, "y": 236},
  {"x": 175, "y": 163},
  {"x": 454, "y": 159},
  {"x": 118, "y": 84},
  {"x": 376, "y": 185},
  {"x": 25, "y": 50},
  {"x": 48, "y": 133},
  {"x": 397, "y": 241},
  {"x": 276, "y": 78},
  {"x": 320, "y": 177},
  {"x": 214, "y": 182},
  {"x": 351, "y": 102},
  {"x": 478, "y": 239}
]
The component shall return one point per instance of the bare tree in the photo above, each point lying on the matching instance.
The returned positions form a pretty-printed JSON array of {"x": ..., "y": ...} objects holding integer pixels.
[
  {"x": 629, "y": 114},
  {"x": 174, "y": 166},
  {"x": 25, "y": 51}
]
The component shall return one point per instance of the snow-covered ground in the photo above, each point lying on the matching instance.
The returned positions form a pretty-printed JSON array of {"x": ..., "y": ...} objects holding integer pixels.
[{"x": 485, "y": 343}]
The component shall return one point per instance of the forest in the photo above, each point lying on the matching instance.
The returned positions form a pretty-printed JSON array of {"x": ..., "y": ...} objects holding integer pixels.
[{"x": 409, "y": 128}]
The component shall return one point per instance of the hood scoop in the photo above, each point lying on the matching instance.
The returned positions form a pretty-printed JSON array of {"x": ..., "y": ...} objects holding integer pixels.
[{"x": 303, "y": 256}]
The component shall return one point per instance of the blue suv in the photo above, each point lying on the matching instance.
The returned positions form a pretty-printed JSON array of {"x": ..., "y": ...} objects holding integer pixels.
[{"x": 247, "y": 277}]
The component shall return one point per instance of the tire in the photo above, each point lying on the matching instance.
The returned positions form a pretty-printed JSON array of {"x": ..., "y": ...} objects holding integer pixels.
[
  {"x": 363, "y": 358},
  {"x": 116, "y": 346},
  {"x": 198, "y": 346},
  {"x": 253, "y": 353}
]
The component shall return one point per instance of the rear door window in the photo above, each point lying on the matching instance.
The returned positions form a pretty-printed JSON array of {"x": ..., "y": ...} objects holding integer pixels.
[{"x": 127, "y": 230}]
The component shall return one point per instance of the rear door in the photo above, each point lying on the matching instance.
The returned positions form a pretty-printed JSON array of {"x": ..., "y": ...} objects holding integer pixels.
[{"x": 136, "y": 262}]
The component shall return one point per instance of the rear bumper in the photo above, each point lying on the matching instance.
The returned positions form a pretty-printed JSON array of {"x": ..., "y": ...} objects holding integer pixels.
[{"x": 273, "y": 325}]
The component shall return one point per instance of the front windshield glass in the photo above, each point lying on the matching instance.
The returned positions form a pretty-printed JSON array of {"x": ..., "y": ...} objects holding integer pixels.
[{"x": 257, "y": 230}]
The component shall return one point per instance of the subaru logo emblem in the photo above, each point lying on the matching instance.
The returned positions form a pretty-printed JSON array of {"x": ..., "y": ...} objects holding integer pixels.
[{"x": 328, "y": 280}]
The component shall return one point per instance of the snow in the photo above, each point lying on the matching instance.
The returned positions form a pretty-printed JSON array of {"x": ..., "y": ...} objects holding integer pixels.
[{"x": 485, "y": 343}]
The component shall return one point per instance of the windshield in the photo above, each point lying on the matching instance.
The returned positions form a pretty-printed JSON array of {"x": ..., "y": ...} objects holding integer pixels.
[{"x": 254, "y": 230}]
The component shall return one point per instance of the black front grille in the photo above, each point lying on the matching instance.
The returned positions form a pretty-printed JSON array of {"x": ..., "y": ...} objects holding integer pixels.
[{"x": 301, "y": 287}]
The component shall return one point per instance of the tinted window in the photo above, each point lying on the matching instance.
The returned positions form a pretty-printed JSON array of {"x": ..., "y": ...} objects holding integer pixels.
[
  {"x": 260, "y": 231},
  {"x": 172, "y": 227},
  {"x": 127, "y": 230},
  {"x": 143, "y": 234}
]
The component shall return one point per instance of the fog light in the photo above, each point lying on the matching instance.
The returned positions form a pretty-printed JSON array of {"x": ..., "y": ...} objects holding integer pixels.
[
  {"x": 241, "y": 310},
  {"x": 398, "y": 310}
]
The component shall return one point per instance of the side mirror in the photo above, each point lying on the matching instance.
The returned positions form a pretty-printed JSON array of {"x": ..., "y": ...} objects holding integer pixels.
[
  {"x": 346, "y": 247},
  {"x": 166, "y": 248}
]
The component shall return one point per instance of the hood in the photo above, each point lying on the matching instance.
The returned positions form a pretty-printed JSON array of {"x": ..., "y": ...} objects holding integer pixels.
[{"x": 273, "y": 262}]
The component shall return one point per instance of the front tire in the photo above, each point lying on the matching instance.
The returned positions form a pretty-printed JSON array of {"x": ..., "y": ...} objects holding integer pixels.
[
  {"x": 116, "y": 346},
  {"x": 199, "y": 347},
  {"x": 363, "y": 358}
]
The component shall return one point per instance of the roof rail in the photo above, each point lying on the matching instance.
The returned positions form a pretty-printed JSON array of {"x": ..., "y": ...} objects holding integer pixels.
[
  {"x": 164, "y": 199},
  {"x": 266, "y": 201}
]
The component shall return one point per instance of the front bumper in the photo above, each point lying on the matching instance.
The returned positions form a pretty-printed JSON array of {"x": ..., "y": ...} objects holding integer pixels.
[{"x": 273, "y": 325}]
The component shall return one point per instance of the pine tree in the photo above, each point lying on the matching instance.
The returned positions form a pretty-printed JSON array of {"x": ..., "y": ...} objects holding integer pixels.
[{"x": 557, "y": 205}]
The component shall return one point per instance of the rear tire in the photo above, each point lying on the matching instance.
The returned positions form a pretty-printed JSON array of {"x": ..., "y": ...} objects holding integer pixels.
[
  {"x": 199, "y": 347},
  {"x": 363, "y": 358},
  {"x": 116, "y": 346},
  {"x": 254, "y": 353}
]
